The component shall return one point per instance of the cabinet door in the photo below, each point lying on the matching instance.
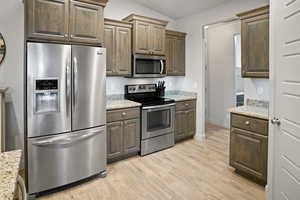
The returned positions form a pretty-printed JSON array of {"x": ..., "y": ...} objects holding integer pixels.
[
  {"x": 180, "y": 125},
  {"x": 255, "y": 47},
  {"x": 180, "y": 56},
  {"x": 248, "y": 153},
  {"x": 158, "y": 41},
  {"x": 109, "y": 44},
  {"x": 86, "y": 23},
  {"x": 47, "y": 19},
  {"x": 114, "y": 139},
  {"x": 191, "y": 122},
  {"x": 123, "y": 51},
  {"x": 170, "y": 45},
  {"x": 131, "y": 136},
  {"x": 141, "y": 42}
]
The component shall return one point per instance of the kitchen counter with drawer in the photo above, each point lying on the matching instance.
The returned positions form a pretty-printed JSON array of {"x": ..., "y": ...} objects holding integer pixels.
[
  {"x": 249, "y": 144},
  {"x": 123, "y": 133}
]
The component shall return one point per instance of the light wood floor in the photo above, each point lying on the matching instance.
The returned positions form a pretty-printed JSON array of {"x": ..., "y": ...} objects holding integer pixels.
[{"x": 191, "y": 170}]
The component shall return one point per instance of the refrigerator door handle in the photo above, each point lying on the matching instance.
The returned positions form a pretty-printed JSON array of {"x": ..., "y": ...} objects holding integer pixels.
[
  {"x": 75, "y": 86},
  {"x": 68, "y": 92}
]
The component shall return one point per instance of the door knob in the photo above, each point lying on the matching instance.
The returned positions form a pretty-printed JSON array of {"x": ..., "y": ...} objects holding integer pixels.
[
  {"x": 275, "y": 121},
  {"x": 247, "y": 123}
]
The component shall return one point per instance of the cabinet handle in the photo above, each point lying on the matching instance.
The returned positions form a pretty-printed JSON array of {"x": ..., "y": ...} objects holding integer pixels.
[
  {"x": 66, "y": 35},
  {"x": 186, "y": 104},
  {"x": 124, "y": 114},
  {"x": 247, "y": 123}
]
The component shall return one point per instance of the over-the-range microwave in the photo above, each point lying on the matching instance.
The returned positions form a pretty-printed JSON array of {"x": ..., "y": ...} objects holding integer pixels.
[{"x": 148, "y": 66}]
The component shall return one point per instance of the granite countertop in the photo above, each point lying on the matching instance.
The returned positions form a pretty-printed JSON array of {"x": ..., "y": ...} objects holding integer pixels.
[
  {"x": 181, "y": 95},
  {"x": 253, "y": 111},
  {"x": 120, "y": 104},
  {"x": 117, "y": 101},
  {"x": 9, "y": 170}
]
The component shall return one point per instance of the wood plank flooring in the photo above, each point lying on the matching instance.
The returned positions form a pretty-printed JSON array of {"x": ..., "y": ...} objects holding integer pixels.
[{"x": 191, "y": 170}]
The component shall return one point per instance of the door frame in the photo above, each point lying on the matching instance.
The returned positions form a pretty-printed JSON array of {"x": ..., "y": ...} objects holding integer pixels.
[
  {"x": 205, "y": 64},
  {"x": 272, "y": 141}
]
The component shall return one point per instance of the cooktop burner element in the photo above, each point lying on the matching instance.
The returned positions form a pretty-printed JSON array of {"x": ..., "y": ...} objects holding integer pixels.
[{"x": 146, "y": 95}]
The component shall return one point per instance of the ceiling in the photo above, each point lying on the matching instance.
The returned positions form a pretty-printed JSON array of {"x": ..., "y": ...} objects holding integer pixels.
[{"x": 179, "y": 8}]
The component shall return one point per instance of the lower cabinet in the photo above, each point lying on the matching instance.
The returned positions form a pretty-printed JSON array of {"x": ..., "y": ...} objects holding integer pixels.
[
  {"x": 185, "y": 124},
  {"x": 123, "y": 133},
  {"x": 249, "y": 147}
]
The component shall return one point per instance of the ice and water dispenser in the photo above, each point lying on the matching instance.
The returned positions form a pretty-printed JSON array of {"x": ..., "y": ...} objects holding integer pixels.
[{"x": 46, "y": 96}]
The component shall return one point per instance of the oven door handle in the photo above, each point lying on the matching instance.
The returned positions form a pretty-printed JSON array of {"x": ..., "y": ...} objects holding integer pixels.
[{"x": 159, "y": 106}]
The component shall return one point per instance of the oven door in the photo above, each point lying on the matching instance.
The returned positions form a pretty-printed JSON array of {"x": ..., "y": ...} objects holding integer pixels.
[
  {"x": 157, "y": 120},
  {"x": 146, "y": 66}
]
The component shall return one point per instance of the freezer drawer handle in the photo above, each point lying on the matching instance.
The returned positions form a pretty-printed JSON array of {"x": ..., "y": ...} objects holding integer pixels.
[{"x": 65, "y": 141}]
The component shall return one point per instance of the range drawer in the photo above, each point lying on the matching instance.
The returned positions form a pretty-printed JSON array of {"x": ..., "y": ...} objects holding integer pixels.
[
  {"x": 185, "y": 105},
  {"x": 123, "y": 114},
  {"x": 259, "y": 126}
]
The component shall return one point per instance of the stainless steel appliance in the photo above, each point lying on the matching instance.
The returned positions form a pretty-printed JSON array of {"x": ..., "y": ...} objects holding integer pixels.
[
  {"x": 66, "y": 114},
  {"x": 148, "y": 66},
  {"x": 158, "y": 117}
]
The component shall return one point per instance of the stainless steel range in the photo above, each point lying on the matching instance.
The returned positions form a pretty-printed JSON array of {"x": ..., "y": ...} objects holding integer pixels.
[
  {"x": 158, "y": 117},
  {"x": 66, "y": 114}
]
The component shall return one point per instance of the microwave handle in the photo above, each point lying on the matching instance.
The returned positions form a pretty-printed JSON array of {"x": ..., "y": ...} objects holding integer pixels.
[{"x": 162, "y": 66}]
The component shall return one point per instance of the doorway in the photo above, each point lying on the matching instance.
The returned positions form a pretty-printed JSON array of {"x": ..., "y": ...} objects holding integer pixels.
[{"x": 224, "y": 85}]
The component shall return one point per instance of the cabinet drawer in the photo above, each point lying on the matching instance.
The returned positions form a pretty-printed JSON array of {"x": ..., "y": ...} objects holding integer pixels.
[
  {"x": 251, "y": 124},
  {"x": 185, "y": 105},
  {"x": 116, "y": 115}
]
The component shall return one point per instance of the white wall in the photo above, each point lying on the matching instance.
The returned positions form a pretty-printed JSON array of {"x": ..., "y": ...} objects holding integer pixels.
[
  {"x": 194, "y": 79},
  {"x": 118, "y": 9},
  {"x": 220, "y": 92},
  {"x": 11, "y": 70}
]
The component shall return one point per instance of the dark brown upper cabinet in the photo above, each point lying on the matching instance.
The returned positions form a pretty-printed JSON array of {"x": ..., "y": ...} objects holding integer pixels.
[
  {"x": 175, "y": 53},
  {"x": 78, "y": 21},
  {"x": 148, "y": 35},
  {"x": 255, "y": 43},
  {"x": 117, "y": 41},
  {"x": 86, "y": 23}
]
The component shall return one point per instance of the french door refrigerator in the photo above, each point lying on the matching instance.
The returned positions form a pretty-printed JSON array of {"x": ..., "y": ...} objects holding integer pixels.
[{"x": 66, "y": 120}]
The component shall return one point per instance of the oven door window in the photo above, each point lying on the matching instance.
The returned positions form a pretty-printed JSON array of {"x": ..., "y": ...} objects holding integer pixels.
[
  {"x": 158, "y": 120},
  {"x": 148, "y": 66}
]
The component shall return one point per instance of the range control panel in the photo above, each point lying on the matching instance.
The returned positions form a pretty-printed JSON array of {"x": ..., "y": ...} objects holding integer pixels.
[{"x": 144, "y": 88}]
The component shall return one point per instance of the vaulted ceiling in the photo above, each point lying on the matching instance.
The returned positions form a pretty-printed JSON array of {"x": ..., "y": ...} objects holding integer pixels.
[{"x": 180, "y": 8}]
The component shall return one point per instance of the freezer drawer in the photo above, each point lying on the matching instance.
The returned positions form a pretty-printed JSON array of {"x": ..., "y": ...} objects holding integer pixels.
[{"x": 59, "y": 160}]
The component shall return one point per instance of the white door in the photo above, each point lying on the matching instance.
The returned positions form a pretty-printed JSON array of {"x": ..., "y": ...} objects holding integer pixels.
[{"x": 284, "y": 177}]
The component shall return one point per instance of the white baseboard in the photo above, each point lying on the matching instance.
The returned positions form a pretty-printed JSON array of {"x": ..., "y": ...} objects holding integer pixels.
[{"x": 199, "y": 137}]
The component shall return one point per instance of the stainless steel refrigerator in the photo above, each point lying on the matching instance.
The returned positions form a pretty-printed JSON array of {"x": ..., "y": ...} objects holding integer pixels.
[{"x": 66, "y": 114}]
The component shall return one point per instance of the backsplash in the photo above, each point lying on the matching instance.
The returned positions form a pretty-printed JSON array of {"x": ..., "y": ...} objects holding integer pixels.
[
  {"x": 257, "y": 103},
  {"x": 115, "y": 85},
  {"x": 257, "y": 89}
]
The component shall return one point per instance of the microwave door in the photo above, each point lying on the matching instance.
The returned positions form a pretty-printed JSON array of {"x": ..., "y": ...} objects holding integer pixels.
[
  {"x": 48, "y": 89},
  {"x": 148, "y": 66}
]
